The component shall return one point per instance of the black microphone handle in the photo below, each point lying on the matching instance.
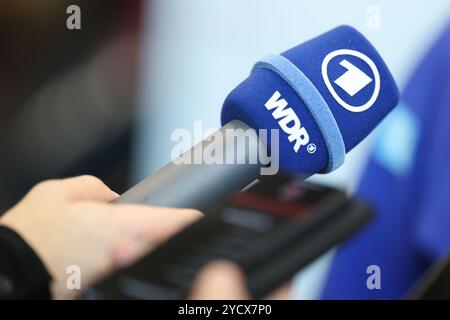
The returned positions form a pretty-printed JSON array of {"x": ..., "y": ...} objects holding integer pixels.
[{"x": 199, "y": 186}]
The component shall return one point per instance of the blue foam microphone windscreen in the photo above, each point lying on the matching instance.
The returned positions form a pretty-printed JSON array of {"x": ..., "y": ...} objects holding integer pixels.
[{"x": 324, "y": 96}]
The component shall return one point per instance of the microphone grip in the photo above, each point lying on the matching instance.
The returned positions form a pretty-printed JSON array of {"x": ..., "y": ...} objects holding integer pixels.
[{"x": 200, "y": 185}]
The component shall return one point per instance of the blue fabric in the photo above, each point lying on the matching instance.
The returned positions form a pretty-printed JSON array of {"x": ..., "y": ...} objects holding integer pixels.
[
  {"x": 408, "y": 183},
  {"x": 246, "y": 102},
  {"x": 315, "y": 104}
]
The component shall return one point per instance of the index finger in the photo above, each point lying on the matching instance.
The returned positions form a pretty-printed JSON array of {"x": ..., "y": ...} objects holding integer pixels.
[{"x": 84, "y": 187}]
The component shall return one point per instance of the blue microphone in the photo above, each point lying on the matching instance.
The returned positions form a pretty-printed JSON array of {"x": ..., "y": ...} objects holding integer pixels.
[
  {"x": 338, "y": 87},
  {"x": 323, "y": 96}
]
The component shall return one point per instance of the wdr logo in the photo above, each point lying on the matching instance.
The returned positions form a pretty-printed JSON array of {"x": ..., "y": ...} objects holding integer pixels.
[{"x": 353, "y": 80}]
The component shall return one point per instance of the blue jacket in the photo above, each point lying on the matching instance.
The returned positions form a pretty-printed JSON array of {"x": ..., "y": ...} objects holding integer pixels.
[{"x": 408, "y": 182}]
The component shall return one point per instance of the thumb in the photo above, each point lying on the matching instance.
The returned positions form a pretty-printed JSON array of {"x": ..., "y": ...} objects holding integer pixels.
[{"x": 220, "y": 280}]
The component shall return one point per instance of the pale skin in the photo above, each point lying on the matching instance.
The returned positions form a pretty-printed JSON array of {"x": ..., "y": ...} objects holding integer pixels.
[
  {"x": 72, "y": 222},
  {"x": 222, "y": 280}
]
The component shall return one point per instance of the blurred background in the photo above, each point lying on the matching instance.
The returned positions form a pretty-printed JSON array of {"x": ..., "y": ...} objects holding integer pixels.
[
  {"x": 66, "y": 96},
  {"x": 105, "y": 99}
]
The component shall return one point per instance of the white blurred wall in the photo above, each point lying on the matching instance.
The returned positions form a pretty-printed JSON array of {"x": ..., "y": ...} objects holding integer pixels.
[{"x": 196, "y": 51}]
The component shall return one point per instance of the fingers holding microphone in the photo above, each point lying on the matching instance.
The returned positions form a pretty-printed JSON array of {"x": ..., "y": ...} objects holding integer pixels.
[{"x": 72, "y": 222}]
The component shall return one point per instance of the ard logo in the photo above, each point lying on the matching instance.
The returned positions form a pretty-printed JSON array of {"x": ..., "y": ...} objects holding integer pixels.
[{"x": 353, "y": 81}]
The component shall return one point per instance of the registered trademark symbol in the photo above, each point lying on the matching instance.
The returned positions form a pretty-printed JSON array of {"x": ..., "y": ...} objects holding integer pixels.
[{"x": 311, "y": 148}]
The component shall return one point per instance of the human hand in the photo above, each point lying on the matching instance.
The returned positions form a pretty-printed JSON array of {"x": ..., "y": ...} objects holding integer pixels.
[
  {"x": 222, "y": 280},
  {"x": 71, "y": 222}
]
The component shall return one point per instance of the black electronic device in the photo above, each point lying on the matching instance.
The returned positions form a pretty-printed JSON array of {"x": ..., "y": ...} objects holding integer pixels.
[{"x": 272, "y": 230}]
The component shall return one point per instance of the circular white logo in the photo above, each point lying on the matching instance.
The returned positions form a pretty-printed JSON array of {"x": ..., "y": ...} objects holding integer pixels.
[
  {"x": 311, "y": 148},
  {"x": 351, "y": 90}
]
